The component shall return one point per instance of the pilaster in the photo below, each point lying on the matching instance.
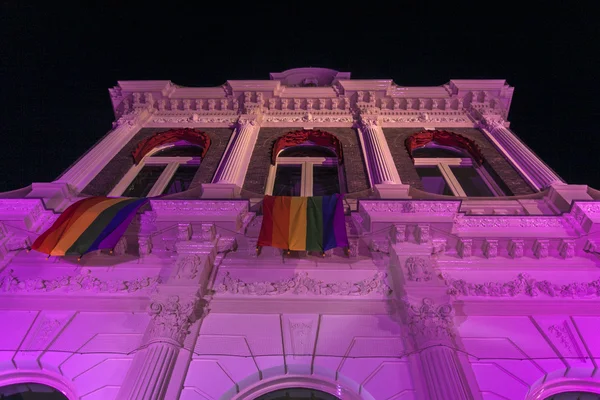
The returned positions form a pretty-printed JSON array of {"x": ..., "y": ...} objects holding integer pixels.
[
  {"x": 82, "y": 173},
  {"x": 525, "y": 161},
  {"x": 232, "y": 170},
  {"x": 178, "y": 304},
  {"x": 380, "y": 164}
]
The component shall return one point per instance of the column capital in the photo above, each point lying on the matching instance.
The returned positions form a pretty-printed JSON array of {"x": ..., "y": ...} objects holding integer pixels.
[
  {"x": 173, "y": 315},
  {"x": 249, "y": 120},
  {"x": 428, "y": 321},
  {"x": 370, "y": 121}
]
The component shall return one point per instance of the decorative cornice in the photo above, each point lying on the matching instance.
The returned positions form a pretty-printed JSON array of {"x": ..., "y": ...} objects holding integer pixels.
[
  {"x": 83, "y": 282},
  {"x": 462, "y": 222},
  {"x": 524, "y": 284},
  {"x": 302, "y": 284},
  {"x": 447, "y": 208}
]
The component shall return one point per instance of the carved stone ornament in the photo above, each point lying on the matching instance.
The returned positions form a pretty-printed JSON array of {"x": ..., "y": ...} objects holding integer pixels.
[
  {"x": 187, "y": 266},
  {"x": 465, "y": 248},
  {"x": 516, "y": 248},
  {"x": 567, "y": 248},
  {"x": 418, "y": 269},
  {"x": 565, "y": 336},
  {"x": 399, "y": 233},
  {"x": 490, "y": 248},
  {"x": 540, "y": 248},
  {"x": 422, "y": 233},
  {"x": 172, "y": 317},
  {"x": 430, "y": 322},
  {"x": 462, "y": 222},
  {"x": 302, "y": 284},
  {"x": 300, "y": 335},
  {"x": 184, "y": 231},
  {"x": 84, "y": 282},
  {"x": 524, "y": 284},
  {"x": 438, "y": 246},
  {"x": 380, "y": 245},
  {"x": 445, "y": 208}
]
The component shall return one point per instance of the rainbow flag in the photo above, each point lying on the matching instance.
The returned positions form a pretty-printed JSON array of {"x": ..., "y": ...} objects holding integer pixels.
[
  {"x": 87, "y": 225},
  {"x": 303, "y": 223}
]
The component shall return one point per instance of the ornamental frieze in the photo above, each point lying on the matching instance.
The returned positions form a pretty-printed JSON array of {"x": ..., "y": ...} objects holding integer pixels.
[{"x": 302, "y": 284}]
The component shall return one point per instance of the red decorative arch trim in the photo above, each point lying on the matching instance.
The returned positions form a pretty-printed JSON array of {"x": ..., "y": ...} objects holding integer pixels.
[
  {"x": 444, "y": 138},
  {"x": 192, "y": 136},
  {"x": 315, "y": 136}
]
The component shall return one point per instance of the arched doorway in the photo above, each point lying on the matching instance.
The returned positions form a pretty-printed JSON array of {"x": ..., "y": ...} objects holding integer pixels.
[
  {"x": 297, "y": 394},
  {"x": 30, "y": 391}
]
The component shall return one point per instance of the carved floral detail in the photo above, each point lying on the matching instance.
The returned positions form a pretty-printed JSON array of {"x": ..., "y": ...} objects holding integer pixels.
[
  {"x": 465, "y": 248},
  {"x": 422, "y": 233},
  {"x": 172, "y": 318},
  {"x": 523, "y": 284},
  {"x": 302, "y": 284},
  {"x": 438, "y": 246},
  {"x": 428, "y": 321},
  {"x": 540, "y": 248},
  {"x": 75, "y": 283},
  {"x": 409, "y": 207},
  {"x": 187, "y": 266},
  {"x": 490, "y": 248},
  {"x": 567, "y": 248},
  {"x": 399, "y": 233},
  {"x": 417, "y": 269}
]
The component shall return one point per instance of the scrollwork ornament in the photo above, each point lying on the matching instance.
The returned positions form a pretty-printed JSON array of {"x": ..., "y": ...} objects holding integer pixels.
[
  {"x": 172, "y": 318},
  {"x": 430, "y": 322}
]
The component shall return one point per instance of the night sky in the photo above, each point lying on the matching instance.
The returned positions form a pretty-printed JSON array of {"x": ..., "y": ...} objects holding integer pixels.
[{"x": 56, "y": 64}]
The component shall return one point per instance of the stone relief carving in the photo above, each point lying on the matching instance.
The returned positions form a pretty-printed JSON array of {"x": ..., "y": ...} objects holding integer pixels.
[
  {"x": 172, "y": 317},
  {"x": 524, "y": 284},
  {"x": 399, "y": 233},
  {"x": 490, "y": 248},
  {"x": 300, "y": 335},
  {"x": 187, "y": 266},
  {"x": 567, "y": 248},
  {"x": 428, "y": 321},
  {"x": 565, "y": 336},
  {"x": 75, "y": 283},
  {"x": 422, "y": 233},
  {"x": 465, "y": 222},
  {"x": 540, "y": 248},
  {"x": 184, "y": 231},
  {"x": 465, "y": 248},
  {"x": 418, "y": 269},
  {"x": 438, "y": 246},
  {"x": 515, "y": 248},
  {"x": 380, "y": 245},
  {"x": 302, "y": 284},
  {"x": 408, "y": 207},
  {"x": 45, "y": 329}
]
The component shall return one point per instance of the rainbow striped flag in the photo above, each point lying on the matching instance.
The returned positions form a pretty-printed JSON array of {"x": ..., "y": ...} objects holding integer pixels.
[
  {"x": 303, "y": 223},
  {"x": 87, "y": 225}
]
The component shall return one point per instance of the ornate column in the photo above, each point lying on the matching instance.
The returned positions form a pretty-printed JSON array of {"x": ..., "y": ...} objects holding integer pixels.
[
  {"x": 178, "y": 304},
  {"x": 529, "y": 165},
  {"x": 234, "y": 164},
  {"x": 432, "y": 329},
  {"x": 172, "y": 317},
  {"x": 382, "y": 170}
]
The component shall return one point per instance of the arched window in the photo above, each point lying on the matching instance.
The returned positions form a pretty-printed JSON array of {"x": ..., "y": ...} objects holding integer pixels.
[
  {"x": 297, "y": 394},
  {"x": 30, "y": 391},
  {"x": 166, "y": 163},
  {"x": 450, "y": 164},
  {"x": 574, "y": 396},
  {"x": 306, "y": 163}
]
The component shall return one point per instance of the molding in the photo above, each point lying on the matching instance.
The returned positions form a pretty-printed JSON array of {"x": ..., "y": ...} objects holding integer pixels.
[
  {"x": 301, "y": 284},
  {"x": 523, "y": 284},
  {"x": 84, "y": 282}
]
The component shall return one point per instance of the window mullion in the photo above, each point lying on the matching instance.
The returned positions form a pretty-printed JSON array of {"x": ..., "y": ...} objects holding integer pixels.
[
  {"x": 307, "y": 178},
  {"x": 451, "y": 180},
  {"x": 164, "y": 179},
  {"x": 126, "y": 181}
]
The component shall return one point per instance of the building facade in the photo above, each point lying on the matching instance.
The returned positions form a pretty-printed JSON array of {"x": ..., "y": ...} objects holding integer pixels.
[{"x": 471, "y": 273}]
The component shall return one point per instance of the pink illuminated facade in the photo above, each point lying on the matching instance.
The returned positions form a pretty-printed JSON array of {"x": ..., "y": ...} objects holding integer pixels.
[{"x": 472, "y": 271}]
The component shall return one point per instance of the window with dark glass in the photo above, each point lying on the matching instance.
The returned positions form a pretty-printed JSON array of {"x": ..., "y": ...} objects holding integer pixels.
[{"x": 305, "y": 170}]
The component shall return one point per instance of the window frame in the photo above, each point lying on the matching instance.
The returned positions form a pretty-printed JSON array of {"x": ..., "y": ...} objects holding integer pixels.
[
  {"x": 444, "y": 164},
  {"x": 172, "y": 164},
  {"x": 307, "y": 164}
]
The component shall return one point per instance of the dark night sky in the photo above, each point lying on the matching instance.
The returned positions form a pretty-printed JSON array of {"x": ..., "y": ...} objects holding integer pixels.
[{"x": 56, "y": 64}]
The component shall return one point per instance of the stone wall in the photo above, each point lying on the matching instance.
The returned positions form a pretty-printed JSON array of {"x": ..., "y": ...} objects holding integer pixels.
[
  {"x": 108, "y": 178},
  {"x": 354, "y": 164},
  {"x": 507, "y": 177}
]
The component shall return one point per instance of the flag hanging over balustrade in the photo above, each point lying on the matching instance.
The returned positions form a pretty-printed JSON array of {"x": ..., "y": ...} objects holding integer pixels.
[
  {"x": 90, "y": 224},
  {"x": 303, "y": 223}
]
